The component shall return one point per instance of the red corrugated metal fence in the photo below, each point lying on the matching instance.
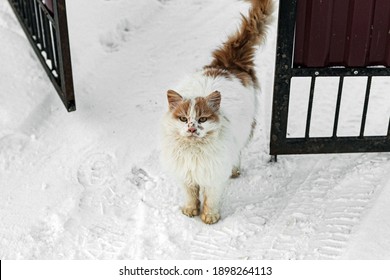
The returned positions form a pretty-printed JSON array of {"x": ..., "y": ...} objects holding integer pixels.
[{"x": 351, "y": 33}]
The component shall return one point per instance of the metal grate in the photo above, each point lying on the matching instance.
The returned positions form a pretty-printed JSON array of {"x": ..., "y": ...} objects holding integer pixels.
[
  {"x": 286, "y": 69},
  {"x": 45, "y": 25}
]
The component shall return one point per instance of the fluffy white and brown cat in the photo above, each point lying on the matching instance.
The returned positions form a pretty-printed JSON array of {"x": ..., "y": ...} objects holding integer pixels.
[{"x": 211, "y": 117}]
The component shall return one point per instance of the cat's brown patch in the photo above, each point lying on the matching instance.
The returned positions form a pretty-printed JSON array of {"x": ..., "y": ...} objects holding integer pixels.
[
  {"x": 204, "y": 111},
  {"x": 238, "y": 52},
  {"x": 174, "y": 99},
  {"x": 182, "y": 109},
  {"x": 208, "y": 107},
  {"x": 245, "y": 78},
  {"x": 216, "y": 72},
  {"x": 179, "y": 106},
  {"x": 253, "y": 127},
  {"x": 205, "y": 107}
]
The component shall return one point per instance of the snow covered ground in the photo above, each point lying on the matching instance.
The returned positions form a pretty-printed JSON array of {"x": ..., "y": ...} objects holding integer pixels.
[{"x": 89, "y": 185}]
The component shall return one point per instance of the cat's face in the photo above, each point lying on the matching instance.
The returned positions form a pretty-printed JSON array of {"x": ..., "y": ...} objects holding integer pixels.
[{"x": 195, "y": 118}]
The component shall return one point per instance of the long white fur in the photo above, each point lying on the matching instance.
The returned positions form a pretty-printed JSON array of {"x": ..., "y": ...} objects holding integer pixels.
[{"x": 209, "y": 163}]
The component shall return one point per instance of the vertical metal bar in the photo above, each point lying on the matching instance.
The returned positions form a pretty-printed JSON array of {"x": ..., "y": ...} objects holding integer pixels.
[
  {"x": 25, "y": 13},
  {"x": 34, "y": 8},
  {"x": 310, "y": 107},
  {"x": 20, "y": 8},
  {"x": 365, "y": 109},
  {"x": 32, "y": 19},
  {"x": 35, "y": 19},
  {"x": 337, "y": 113},
  {"x": 39, "y": 25},
  {"x": 29, "y": 17},
  {"x": 282, "y": 83},
  {"x": 43, "y": 18},
  {"x": 65, "y": 66},
  {"x": 48, "y": 43},
  {"x": 53, "y": 41},
  {"x": 55, "y": 49}
]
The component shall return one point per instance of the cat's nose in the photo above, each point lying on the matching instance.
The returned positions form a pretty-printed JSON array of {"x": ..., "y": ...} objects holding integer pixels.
[{"x": 192, "y": 129}]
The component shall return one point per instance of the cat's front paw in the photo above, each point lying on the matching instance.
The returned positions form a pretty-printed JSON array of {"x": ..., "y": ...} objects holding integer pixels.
[
  {"x": 209, "y": 219},
  {"x": 190, "y": 211}
]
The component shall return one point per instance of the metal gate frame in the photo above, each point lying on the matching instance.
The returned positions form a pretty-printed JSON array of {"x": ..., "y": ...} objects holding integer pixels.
[
  {"x": 46, "y": 28},
  {"x": 284, "y": 71}
]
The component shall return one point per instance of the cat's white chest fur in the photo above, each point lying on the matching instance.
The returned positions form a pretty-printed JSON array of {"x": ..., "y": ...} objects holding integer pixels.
[{"x": 202, "y": 163}]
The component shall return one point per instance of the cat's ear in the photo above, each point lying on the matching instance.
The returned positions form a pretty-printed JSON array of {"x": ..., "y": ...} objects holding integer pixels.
[
  {"x": 173, "y": 99},
  {"x": 214, "y": 100}
]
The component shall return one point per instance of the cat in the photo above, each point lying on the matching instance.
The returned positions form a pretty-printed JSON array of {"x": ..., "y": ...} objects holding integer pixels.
[{"x": 211, "y": 117}]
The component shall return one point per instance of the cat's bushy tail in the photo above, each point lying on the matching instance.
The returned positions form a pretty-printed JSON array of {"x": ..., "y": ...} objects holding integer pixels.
[{"x": 237, "y": 54}]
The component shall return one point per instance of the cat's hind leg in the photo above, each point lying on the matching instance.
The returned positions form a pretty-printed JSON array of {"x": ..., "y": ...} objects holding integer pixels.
[
  {"x": 192, "y": 206},
  {"x": 235, "y": 172}
]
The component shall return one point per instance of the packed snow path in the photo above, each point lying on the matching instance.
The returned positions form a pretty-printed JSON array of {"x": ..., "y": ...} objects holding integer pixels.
[{"x": 89, "y": 185}]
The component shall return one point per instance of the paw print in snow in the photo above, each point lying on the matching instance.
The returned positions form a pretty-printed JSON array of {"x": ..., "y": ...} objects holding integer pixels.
[
  {"x": 96, "y": 170},
  {"x": 112, "y": 40}
]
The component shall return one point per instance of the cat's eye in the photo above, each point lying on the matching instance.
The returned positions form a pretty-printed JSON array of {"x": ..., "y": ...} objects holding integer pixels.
[
  {"x": 183, "y": 119},
  {"x": 203, "y": 119}
]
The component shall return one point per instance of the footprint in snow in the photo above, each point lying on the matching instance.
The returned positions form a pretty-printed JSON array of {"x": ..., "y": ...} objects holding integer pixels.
[
  {"x": 112, "y": 40},
  {"x": 96, "y": 170},
  {"x": 164, "y": 1},
  {"x": 139, "y": 177},
  {"x": 124, "y": 29},
  {"x": 109, "y": 42},
  {"x": 11, "y": 149},
  {"x": 96, "y": 175}
]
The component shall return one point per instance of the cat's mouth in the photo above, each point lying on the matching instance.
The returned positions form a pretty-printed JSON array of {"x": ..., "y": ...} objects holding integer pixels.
[
  {"x": 196, "y": 136},
  {"x": 193, "y": 135}
]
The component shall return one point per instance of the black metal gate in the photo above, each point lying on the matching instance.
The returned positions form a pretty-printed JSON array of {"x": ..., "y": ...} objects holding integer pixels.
[
  {"x": 287, "y": 68},
  {"x": 45, "y": 24}
]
